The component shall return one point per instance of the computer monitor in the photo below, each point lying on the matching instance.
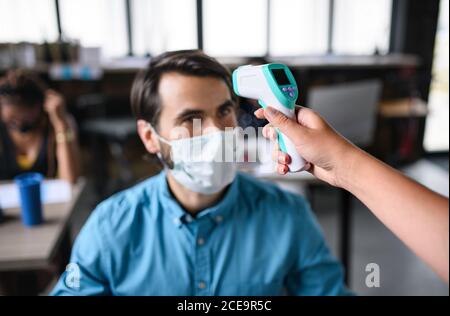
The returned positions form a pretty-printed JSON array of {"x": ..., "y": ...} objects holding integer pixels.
[{"x": 350, "y": 108}]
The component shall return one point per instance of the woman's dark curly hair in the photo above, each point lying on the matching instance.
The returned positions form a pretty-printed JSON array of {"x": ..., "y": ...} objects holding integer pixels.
[{"x": 18, "y": 87}]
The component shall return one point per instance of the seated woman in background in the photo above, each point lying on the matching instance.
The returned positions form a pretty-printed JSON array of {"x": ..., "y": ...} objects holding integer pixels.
[{"x": 36, "y": 133}]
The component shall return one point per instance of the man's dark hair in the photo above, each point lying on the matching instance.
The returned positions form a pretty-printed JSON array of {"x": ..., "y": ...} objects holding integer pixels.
[
  {"x": 145, "y": 101},
  {"x": 18, "y": 87}
]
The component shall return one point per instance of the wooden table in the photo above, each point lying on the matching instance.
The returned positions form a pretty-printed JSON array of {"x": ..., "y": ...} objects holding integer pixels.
[{"x": 23, "y": 248}]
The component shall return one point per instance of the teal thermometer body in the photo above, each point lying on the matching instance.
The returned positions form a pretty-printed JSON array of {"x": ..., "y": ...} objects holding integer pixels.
[{"x": 273, "y": 85}]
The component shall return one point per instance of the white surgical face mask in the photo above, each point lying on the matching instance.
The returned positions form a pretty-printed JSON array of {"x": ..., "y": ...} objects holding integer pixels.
[{"x": 204, "y": 164}]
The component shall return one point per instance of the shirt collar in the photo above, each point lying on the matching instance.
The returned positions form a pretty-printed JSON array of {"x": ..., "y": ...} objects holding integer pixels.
[{"x": 217, "y": 212}]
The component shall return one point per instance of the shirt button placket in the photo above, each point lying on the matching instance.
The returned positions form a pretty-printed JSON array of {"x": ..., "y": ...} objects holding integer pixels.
[{"x": 202, "y": 264}]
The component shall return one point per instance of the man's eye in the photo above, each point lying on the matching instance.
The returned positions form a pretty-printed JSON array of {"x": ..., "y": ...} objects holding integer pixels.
[
  {"x": 225, "y": 111},
  {"x": 191, "y": 118}
]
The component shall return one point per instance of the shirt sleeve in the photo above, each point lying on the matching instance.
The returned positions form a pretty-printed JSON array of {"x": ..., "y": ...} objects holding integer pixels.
[
  {"x": 316, "y": 271},
  {"x": 85, "y": 274}
]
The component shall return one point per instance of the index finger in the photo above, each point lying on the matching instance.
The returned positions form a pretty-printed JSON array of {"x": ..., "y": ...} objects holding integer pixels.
[{"x": 259, "y": 113}]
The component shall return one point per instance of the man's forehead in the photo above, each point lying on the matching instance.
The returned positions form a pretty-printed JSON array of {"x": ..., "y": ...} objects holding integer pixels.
[{"x": 178, "y": 90}]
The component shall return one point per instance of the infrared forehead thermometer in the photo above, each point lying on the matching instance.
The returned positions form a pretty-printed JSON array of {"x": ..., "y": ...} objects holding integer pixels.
[{"x": 273, "y": 85}]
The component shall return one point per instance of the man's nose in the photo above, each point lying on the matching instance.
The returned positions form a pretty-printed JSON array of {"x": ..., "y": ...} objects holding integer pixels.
[{"x": 212, "y": 124}]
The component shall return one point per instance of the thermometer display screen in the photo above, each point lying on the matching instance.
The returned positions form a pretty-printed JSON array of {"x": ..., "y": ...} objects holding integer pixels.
[{"x": 280, "y": 77}]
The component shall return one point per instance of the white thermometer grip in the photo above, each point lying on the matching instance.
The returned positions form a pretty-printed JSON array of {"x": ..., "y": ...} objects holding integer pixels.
[
  {"x": 287, "y": 146},
  {"x": 297, "y": 162}
]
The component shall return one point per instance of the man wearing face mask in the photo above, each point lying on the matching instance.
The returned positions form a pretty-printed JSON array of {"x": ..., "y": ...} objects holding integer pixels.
[
  {"x": 36, "y": 133},
  {"x": 198, "y": 227}
]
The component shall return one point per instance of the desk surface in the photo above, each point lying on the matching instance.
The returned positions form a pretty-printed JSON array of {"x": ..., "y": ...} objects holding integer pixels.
[{"x": 23, "y": 248}]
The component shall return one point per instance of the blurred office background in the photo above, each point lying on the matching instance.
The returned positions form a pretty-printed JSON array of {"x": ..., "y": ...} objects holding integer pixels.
[{"x": 377, "y": 69}]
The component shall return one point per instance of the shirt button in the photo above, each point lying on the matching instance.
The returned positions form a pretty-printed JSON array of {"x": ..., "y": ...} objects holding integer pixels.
[
  {"x": 176, "y": 221},
  {"x": 219, "y": 219},
  {"x": 189, "y": 218},
  {"x": 200, "y": 241},
  {"x": 201, "y": 285}
]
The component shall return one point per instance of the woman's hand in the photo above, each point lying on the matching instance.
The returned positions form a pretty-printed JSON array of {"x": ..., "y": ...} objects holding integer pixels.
[
  {"x": 328, "y": 153},
  {"x": 54, "y": 105}
]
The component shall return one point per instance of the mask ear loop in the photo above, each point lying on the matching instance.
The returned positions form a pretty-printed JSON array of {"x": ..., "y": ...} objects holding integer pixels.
[{"x": 163, "y": 140}]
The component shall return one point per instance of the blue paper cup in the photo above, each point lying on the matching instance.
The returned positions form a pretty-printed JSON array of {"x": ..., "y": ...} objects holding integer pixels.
[{"x": 29, "y": 185}]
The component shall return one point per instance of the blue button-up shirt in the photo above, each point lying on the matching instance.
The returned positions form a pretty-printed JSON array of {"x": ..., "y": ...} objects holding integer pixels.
[{"x": 258, "y": 240}]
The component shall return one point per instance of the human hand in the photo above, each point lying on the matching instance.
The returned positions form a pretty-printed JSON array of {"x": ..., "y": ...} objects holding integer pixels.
[
  {"x": 329, "y": 155},
  {"x": 54, "y": 105}
]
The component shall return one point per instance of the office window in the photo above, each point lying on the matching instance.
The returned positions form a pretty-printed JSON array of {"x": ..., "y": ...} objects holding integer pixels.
[
  {"x": 99, "y": 23},
  {"x": 163, "y": 25},
  {"x": 298, "y": 27},
  {"x": 235, "y": 27},
  {"x": 361, "y": 26},
  {"x": 28, "y": 20},
  {"x": 437, "y": 124}
]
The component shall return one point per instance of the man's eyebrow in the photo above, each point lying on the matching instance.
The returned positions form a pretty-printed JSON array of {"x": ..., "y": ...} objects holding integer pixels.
[{"x": 228, "y": 102}]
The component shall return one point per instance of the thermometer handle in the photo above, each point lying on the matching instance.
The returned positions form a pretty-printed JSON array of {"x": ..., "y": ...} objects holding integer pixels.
[{"x": 288, "y": 147}]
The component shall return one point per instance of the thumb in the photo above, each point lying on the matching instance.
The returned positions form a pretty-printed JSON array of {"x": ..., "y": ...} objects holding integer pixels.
[{"x": 287, "y": 126}]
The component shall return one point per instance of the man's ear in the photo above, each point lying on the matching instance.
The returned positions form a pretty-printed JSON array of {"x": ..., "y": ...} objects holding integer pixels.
[{"x": 148, "y": 137}]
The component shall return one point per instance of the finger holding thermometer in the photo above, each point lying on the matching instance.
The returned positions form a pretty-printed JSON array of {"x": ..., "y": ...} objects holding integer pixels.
[{"x": 274, "y": 85}]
